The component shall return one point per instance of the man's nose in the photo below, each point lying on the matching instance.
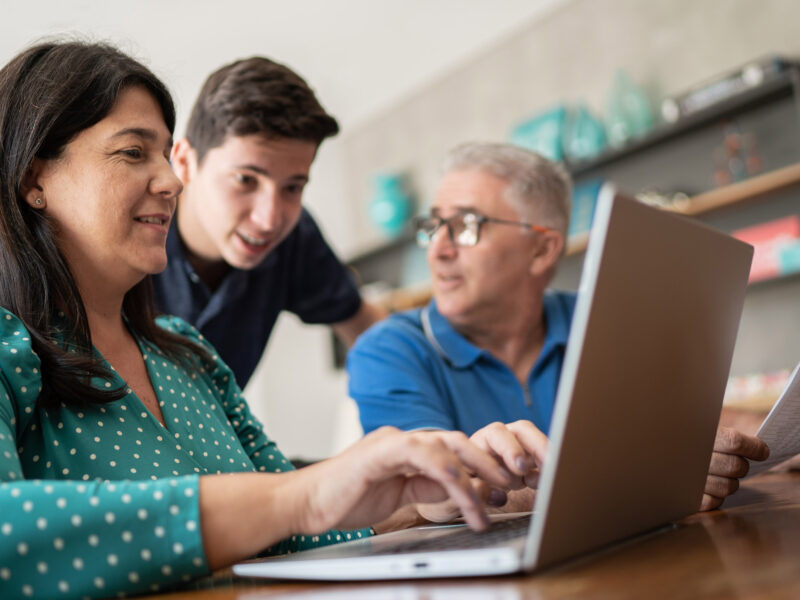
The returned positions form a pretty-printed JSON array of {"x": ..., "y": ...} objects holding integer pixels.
[{"x": 441, "y": 243}]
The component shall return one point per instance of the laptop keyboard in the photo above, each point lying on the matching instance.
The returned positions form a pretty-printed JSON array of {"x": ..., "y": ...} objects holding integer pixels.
[{"x": 465, "y": 539}]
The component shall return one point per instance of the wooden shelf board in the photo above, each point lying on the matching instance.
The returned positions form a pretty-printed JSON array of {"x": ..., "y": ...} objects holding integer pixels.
[
  {"x": 740, "y": 191},
  {"x": 728, "y": 195}
]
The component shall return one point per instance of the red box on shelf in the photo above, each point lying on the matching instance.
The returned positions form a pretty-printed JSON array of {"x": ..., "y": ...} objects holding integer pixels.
[{"x": 767, "y": 239}]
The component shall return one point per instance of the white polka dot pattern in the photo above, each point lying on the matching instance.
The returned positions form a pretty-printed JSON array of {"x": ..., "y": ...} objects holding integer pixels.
[{"x": 78, "y": 542}]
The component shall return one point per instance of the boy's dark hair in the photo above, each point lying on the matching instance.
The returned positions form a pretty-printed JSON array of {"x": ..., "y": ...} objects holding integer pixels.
[{"x": 256, "y": 96}]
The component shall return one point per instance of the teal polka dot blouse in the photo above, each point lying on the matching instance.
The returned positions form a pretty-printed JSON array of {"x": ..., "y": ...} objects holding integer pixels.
[{"x": 102, "y": 500}]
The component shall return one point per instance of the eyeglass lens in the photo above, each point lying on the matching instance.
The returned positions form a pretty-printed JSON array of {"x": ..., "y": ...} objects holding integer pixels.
[{"x": 462, "y": 229}]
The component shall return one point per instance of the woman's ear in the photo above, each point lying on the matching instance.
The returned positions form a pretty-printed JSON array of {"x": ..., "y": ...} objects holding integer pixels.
[
  {"x": 184, "y": 160},
  {"x": 549, "y": 248},
  {"x": 31, "y": 188}
]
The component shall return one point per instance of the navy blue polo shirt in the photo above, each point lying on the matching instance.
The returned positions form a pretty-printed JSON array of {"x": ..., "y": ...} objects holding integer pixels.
[
  {"x": 402, "y": 375},
  {"x": 301, "y": 275}
]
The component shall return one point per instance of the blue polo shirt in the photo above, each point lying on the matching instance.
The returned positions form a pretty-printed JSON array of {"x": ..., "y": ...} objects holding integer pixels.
[
  {"x": 400, "y": 376},
  {"x": 301, "y": 275}
]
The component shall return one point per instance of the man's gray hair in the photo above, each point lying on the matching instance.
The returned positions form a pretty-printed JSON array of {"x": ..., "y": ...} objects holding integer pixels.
[{"x": 539, "y": 188}]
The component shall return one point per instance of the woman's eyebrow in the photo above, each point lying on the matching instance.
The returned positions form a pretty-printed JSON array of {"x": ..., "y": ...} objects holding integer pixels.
[
  {"x": 149, "y": 135},
  {"x": 142, "y": 132},
  {"x": 146, "y": 134}
]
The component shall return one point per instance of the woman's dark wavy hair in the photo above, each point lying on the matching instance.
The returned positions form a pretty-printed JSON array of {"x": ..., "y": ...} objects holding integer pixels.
[{"x": 48, "y": 95}]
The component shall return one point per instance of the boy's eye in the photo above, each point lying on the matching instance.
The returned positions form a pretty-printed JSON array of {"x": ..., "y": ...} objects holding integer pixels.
[
  {"x": 244, "y": 179},
  {"x": 295, "y": 188}
]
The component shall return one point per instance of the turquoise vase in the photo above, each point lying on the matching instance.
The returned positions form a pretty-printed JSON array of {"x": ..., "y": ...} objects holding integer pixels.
[
  {"x": 390, "y": 207},
  {"x": 629, "y": 115},
  {"x": 586, "y": 136},
  {"x": 543, "y": 133}
]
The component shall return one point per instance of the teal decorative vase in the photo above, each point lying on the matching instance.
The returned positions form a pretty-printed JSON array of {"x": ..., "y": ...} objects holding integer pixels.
[
  {"x": 543, "y": 133},
  {"x": 390, "y": 207},
  {"x": 586, "y": 136},
  {"x": 629, "y": 114}
]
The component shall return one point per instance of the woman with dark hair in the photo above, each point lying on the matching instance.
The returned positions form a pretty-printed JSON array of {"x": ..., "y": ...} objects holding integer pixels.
[{"x": 128, "y": 458}]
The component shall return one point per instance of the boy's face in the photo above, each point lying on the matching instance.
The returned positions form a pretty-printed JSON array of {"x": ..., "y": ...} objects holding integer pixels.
[{"x": 243, "y": 199}]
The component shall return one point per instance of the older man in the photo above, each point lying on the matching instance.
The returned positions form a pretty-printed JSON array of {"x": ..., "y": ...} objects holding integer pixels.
[{"x": 490, "y": 345}]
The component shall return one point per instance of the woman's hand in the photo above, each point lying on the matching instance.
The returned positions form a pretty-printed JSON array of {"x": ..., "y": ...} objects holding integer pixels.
[
  {"x": 521, "y": 448},
  {"x": 365, "y": 484},
  {"x": 388, "y": 469}
]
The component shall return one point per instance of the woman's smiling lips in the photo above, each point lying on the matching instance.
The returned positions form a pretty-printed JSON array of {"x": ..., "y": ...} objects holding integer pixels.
[{"x": 156, "y": 221}]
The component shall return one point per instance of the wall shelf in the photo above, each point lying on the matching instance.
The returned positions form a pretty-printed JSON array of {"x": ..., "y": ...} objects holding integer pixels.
[
  {"x": 741, "y": 191},
  {"x": 782, "y": 86},
  {"x": 729, "y": 195}
]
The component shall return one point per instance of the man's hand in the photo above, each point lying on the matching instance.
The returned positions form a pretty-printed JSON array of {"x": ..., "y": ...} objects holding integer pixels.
[
  {"x": 522, "y": 449},
  {"x": 732, "y": 450}
]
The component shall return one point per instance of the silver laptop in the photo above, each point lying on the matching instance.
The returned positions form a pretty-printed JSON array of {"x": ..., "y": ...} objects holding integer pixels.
[{"x": 635, "y": 415}]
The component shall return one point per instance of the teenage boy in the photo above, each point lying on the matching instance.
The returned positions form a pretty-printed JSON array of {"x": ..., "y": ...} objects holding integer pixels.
[{"x": 242, "y": 248}]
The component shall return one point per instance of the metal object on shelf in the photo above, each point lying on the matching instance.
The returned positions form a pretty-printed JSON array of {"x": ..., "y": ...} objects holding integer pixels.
[{"x": 724, "y": 86}]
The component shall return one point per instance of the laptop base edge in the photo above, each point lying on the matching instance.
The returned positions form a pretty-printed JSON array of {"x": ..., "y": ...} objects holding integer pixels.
[{"x": 423, "y": 565}]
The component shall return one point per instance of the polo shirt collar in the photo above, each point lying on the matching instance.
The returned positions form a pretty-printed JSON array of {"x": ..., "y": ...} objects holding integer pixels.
[
  {"x": 461, "y": 353},
  {"x": 454, "y": 347}
]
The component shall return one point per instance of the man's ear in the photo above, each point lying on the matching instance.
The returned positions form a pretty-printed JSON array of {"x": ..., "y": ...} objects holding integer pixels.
[
  {"x": 549, "y": 248},
  {"x": 31, "y": 187},
  {"x": 184, "y": 160}
]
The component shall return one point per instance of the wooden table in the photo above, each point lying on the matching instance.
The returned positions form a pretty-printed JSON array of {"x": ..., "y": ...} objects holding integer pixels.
[{"x": 751, "y": 549}]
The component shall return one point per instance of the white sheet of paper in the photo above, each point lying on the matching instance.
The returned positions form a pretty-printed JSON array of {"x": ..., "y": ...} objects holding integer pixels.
[{"x": 781, "y": 429}]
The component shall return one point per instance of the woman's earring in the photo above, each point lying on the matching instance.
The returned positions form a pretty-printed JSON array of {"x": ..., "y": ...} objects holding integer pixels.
[{"x": 38, "y": 202}]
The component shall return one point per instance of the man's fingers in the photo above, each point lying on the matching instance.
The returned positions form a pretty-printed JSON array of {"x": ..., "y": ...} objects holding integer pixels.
[
  {"x": 729, "y": 462},
  {"x": 710, "y": 502},
  {"x": 732, "y": 441},
  {"x": 720, "y": 487},
  {"x": 532, "y": 479},
  {"x": 499, "y": 441},
  {"x": 533, "y": 440},
  {"x": 728, "y": 465},
  {"x": 520, "y": 445}
]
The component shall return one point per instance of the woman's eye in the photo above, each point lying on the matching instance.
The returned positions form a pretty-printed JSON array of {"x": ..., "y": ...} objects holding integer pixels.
[{"x": 132, "y": 152}]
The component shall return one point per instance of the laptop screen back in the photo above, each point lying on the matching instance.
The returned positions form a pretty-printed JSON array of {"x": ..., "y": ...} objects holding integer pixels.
[{"x": 644, "y": 375}]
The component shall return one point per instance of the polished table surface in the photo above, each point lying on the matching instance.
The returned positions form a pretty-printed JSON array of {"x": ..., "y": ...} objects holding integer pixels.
[{"x": 750, "y": 549}]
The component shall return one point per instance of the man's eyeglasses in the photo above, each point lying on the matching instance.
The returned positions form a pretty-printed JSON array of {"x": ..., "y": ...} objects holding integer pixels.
[{"x": 463, "y": 228}]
